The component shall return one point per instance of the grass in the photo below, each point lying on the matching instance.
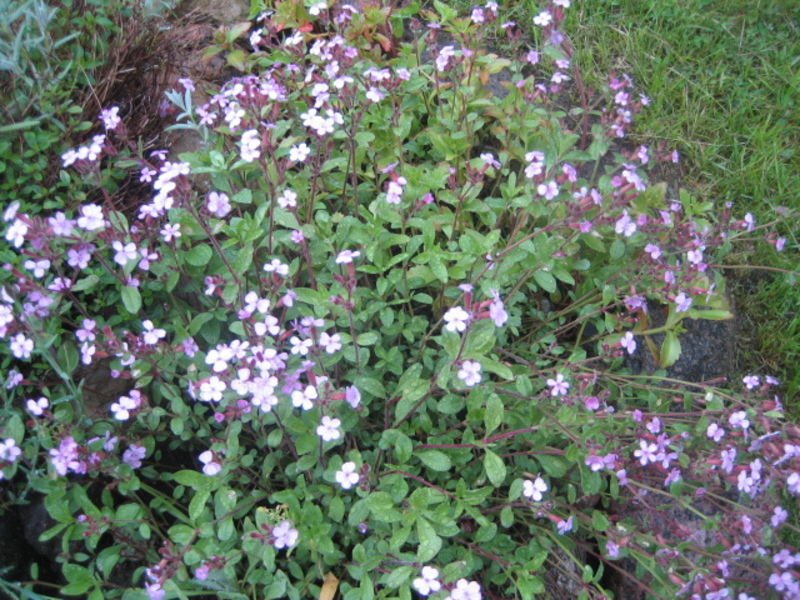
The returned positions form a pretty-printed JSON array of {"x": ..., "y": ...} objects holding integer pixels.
[{"x": 724, "y": 78}]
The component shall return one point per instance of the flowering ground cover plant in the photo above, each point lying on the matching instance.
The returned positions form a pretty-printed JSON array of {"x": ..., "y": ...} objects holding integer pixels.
[{"x": 373, "y": 335}]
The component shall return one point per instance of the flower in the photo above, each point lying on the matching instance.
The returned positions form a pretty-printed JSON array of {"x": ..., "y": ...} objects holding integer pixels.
[
  {"x": 456, "y": 319},
  {"x": 347, "y": 476},
  {"x": 331, "y": 343},
  {"x": 470, "y": 373},
  {"x": 428, "y": 581},
  {"x": 37, "y": 407},
  {"x": 299, "y": 153},
  {"x": 287, "y": 199},
  {"x": 625, "y": 225},
  {"x": 218, "y": 204},
  {"x": 779, "y": 516},
  {"x": 151, "y": 334},
  {"x": 683, "y": 302},
  {"x": 466, "y": 590},
  {"x": 276, "y": 266},
  {"x": 305, "y": 398},
  {"x": 110, "y": 117},
  {"x": 558, "y": 387},
  {"x": 211, "y": 389},
  {"x": 123, "y": 407},
  {"x": 352, "y": 396},
  {"x": 565, "y": 526},
  {"x": 646, "y": 453},
  {"x": 612, "y": 549},
  {"x": 628, "y": 342},
  {"x": 251, "y": 144},
  {"x": 751, "y": 381},
  {"x": 211, "y": 465},
  {"x": 548, "y": 190},
  {"x": 328, "y": 429},
  {"x": 284, "y": 536},
  {"x": 534, "y": 489},
  {"x": 91, "y": 217},
  {"x": 9, "y": 451},
  {"x": 134, "y": 455},
  {"x": 21, "y": 347},
  {"x": 346, "y": 256},
  {"x": 543, "y": 19}
]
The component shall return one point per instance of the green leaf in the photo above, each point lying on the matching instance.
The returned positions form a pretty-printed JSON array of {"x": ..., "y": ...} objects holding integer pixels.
[
  {"x": 493, "y": 416},
  {"x": 617, "y": 250},
  {"x": 555, "y": 466},
  {"x": 85, "y": 284},
  {"x": 399, "y": 576},
  {"x": 198, "y": 504},
  {"x": 429, "y": 542},
  {"x": 368, "y": 338},
  {"x": 79, "y": 578},
  {"x": 481, "y": 339},
  {"x": 199, "y": 256},
  {"x": 507, "y": 516},
  {"x": 244, "y": 196},
  {"x": 599, "y": 521},
  {"x": 435, "y": 460},
  {"x": 495, "y": 469},
  {"x": 670, "y": 350},
  {"x": 545, "y": 280},
  {"x": 196, "y": 480},
  {"x": 132, "y": 299}
]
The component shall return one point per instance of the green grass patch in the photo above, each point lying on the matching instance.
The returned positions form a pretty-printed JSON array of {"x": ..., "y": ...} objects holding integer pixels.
[{"x": 724, "y": 79}]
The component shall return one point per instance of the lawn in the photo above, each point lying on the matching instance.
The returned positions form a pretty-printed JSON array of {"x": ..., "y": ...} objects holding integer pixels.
[{"x": 724, "y": 79}]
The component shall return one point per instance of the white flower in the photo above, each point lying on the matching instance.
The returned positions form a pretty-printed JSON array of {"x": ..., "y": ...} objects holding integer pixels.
[
  {"x": 470, "y": 373},
  {"x": 251, "y": 145},
  {"x": 466, "y": 590},
  {"x": 91, "y": 217},
  {"x": 124, "y": 253},
  {"x": 347, "y": 476},
  {"x": 331, "y": 343},
  {"x": 276, "y": 266},
  {"x": 211, "y": 465},
  {"x": 299, "y": 153},
  {"x": 329, "y": 429},
  {"x": 428, "y": 582},
  {"x": 628, "y": 342},
  {"x": 151, "y": 334},
  {"x": 456, "y": 319},
  {"x": 346, "y": 256},
  {"x": 284, "y": 535},
  {"x": 305, "y": 398},
  {"x": 543, "y": 19},
  {"x": 558, "y": 387},
  {"x": 21, "y": 347},
  {"x": 123, "y": 407},
  {"x": 534, "y": 489},
  {"x": 211, "y": 389},
  {"x": 317, "y": 8},
  {"x": 37, "y": 407},
  {"x": 288, "y": 199}
]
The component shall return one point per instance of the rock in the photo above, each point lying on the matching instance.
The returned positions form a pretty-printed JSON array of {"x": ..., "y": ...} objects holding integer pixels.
[{"x": 708, "y": 349}]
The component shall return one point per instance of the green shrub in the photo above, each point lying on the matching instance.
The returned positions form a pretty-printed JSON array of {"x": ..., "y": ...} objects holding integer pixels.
[{"x": 386, "y": 352}]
